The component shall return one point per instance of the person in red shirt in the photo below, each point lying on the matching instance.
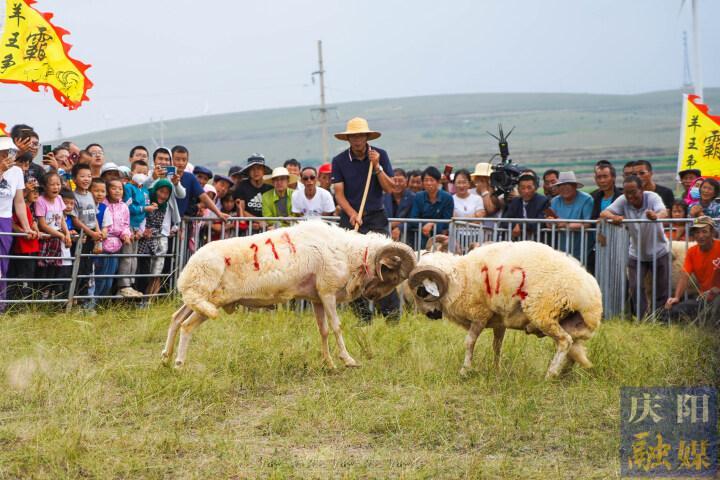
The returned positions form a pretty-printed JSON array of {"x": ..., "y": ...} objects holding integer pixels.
[
  {"x": 25, "y": 245},
  {"x": 702, "y": 261}
]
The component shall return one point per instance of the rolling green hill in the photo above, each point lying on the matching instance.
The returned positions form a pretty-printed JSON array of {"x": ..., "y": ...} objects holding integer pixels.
[{"x": 565, "y": 130}]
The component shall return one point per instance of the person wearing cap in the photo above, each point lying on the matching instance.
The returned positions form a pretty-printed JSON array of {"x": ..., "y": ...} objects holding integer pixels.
[
  {"x": 703, "y": 262},
  {"x": 647, "y": 239},
  {"x": 277, "y": 202},
  {"x": 237, "y": 174},
  {"x": 12, "y": 186},
  {"x": 325, "y": 177},
  {"x": 350, "y": 170},
  {"x": 248, "y": 194},
  {"x": 687, "y": 179},
  {"x": 124, "y": 174},
  {"x": 195, "y": 194},
  {"x": 572, "y": 204},
  {"x": 529, "y": 204},
  {"x": 203, "y": 175},
  {"x": 223, "y": 185},
  {"x": 491, "y": 203},
  {"x": 109, "y": 171}
]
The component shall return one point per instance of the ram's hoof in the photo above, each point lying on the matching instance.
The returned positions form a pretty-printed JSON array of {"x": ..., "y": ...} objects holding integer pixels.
[
  {"x": 349, "y": 362},
  {"x": 464, "y": 372},
  {"x": 179, "y": 364}
]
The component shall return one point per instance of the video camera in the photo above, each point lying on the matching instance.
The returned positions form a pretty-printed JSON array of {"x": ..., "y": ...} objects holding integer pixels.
[{"x": 505, "y": 174}]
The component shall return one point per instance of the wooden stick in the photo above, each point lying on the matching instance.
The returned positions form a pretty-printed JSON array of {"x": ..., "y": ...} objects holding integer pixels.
[{"x": 367, "y": 189}]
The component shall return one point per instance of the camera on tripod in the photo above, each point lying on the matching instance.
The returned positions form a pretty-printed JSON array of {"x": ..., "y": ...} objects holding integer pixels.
[{"x": 505, "y": 174}]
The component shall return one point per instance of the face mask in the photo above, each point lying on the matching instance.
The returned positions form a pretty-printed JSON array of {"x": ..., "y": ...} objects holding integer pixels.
[
  {"x": 139, "y": 178},
  {"x": 695, "y": 193}
]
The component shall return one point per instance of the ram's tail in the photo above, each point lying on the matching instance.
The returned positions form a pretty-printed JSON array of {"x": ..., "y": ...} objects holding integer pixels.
[{"x": 199, "y": 280}]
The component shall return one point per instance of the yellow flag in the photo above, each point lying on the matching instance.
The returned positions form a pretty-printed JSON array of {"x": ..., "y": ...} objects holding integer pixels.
[
  {"x": 33, "y": 53},
  {"x": 699, "y": 138}
]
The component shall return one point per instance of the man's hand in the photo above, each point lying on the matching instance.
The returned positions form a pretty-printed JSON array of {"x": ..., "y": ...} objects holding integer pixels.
[
  {"x": 374, "y": 157},
  {"x": 158, "y": 172},
  {"x": 175, "y": 179},
  {"x": 224, "y": 216},
  {"x": 711, "y": 294},
  {"x": 516, "y": 231},
  {"x": 96, "y": 236},
  {"x": 49, "y": 159},
  {"x": 355, "y": 219},
  {"x": 670, "y": 302},
  {"x": 427, "y": 229},
  {"x": 651, "y": 215},
  {"x": 68, "y": 241},
  {"x": 617, "y": 219},
  {"x": 23, "y": 144}
]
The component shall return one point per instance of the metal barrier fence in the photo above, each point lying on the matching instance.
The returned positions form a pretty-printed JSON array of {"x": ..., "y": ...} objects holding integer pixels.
[{"x": 602, "y": 248}]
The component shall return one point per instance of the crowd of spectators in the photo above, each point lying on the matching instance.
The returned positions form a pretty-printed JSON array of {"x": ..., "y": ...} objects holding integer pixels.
[{"x": 137, "y": 209}]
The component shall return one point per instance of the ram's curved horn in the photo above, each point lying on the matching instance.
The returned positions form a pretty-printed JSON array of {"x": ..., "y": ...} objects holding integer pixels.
[
  {"x": 396, "y": 256},
  {"x": 432, "y": 274}
]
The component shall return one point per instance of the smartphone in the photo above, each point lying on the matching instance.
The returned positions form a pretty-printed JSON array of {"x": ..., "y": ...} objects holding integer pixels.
[
  {"x": 448, "y": 170},
  {"x": 47, "y": 149},
  {"x": 170, "y": 170}
]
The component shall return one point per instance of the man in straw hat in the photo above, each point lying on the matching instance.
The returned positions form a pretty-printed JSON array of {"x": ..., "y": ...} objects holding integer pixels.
[
  {"x": 572, "y": 204},
  {"x": 350, "y": 170},
  {"x": 702, "y": 261}
]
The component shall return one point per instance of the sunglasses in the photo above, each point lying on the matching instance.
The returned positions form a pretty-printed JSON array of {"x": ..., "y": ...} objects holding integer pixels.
[{"x": 305, "y": 179}]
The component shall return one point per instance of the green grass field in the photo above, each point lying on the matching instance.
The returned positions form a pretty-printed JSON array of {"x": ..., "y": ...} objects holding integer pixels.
[{"x": 87, "y": 397}]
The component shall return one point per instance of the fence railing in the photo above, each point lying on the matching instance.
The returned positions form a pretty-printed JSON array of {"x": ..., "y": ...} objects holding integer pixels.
[{"x": 630, "y": 286}]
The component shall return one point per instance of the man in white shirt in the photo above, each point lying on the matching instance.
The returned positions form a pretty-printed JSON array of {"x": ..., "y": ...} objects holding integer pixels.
[{"x": 311, "y": 201}]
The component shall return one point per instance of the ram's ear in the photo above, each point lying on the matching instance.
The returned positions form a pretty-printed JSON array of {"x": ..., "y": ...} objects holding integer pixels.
[
  {"x": 396, "y": 256},
  {"x": 426, "y": 281}
]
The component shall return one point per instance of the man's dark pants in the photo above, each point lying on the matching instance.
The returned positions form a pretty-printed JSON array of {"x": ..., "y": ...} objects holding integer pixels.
[
  {"x": 662, "y": 270},
  {"x": 390, "y": 305}
]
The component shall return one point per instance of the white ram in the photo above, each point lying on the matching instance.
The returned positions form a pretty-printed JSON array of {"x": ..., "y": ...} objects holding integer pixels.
[
  {"x": 312, "y": 260},
  {"x": 518, "y": 285}
]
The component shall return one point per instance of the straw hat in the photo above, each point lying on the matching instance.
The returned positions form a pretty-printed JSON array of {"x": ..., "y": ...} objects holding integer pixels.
[
  {"x": 567, "y": 178},
  {"x": 703, "y": 221},
  {"x": 357, "y": 125},
  {"x": 280, "y": 172},
  {"x": 482, "y": 169}
]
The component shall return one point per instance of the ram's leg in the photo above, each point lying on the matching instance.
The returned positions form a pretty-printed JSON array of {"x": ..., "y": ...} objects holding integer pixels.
[
  {"x": 563, "y": 341},
  {"x": 186, "y": 329},
  {"x": 578, "y": 354},
  {"x": 324, "y": 332},
  {"x": 470, "y": 339},
  {"x": 177, "y": 319},
  {"x": 498, "y": 336},
  {"x": 330, "y": 305}
]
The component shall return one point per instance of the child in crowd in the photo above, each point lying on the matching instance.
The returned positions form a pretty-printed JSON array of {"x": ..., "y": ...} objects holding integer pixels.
[
  {"x": 51, "y": 221},
  {"x": 228, "y": 230},
  {"x": 118, "y": 219},
  {"x": 677, "y": 230},
  {"x": 158, "y": 224},
  {"x": 68, "y": 198},
  {"x": 85, "y": 221},
  {"x": 199, "y": 228},
  {"x": 137, "y": 198},
  {"x": 29, "y": 247},
  {"x": 98, "y": 189}
]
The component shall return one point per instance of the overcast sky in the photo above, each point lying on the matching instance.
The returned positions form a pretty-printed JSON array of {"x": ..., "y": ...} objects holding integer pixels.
[{"x": 180, "y": 58}]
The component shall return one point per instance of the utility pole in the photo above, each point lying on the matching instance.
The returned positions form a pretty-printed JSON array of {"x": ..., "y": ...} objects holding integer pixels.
[{"x": 323, "y": 109}]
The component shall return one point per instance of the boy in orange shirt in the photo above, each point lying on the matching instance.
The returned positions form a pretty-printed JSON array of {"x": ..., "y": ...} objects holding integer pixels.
[{"x": 703, "y": 261}]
